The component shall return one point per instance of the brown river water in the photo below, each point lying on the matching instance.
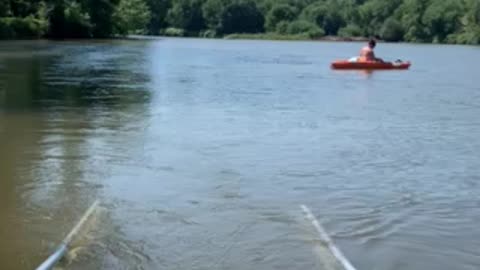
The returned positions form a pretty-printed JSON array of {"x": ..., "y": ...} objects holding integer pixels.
[{"x": 202, "y": 151}]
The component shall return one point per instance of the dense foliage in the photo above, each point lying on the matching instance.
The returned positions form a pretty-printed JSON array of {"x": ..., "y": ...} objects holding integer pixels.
[{"x": 443, "y": 21}]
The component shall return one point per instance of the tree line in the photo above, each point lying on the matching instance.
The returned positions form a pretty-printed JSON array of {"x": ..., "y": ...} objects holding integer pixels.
[{"x": 439, "y": 21}]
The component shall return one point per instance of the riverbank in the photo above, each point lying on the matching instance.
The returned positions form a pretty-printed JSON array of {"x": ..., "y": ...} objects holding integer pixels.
[
  {"x": 274, "y": 36},
  {"x": 262, "y": 36}
]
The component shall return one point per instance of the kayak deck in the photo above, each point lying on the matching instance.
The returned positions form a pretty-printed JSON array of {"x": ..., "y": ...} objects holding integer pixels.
[{"x": 345, "y": 65}]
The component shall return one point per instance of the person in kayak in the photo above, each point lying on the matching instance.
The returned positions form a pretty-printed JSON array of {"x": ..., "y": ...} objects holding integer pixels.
[{"x": 367, "y": 54}]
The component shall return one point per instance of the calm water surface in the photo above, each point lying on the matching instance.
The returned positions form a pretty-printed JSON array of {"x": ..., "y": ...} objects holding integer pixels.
[{"x": 201, "y": 152}]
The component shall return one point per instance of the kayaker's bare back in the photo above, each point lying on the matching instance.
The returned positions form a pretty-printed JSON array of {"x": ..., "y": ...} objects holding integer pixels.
[{"x": 367, "y": 54}]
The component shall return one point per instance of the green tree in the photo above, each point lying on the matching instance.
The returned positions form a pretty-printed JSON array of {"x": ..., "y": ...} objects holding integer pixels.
[
  {"x": 410, "y": 14},
  {"x": 325, "y": 15},
  {"x": 373, "y": 13},
  {"x": 22, "y": 8},
  {"x": 442, "y": 18},
  {"x": 28, "y": 27},
  {"x": 307, "y": 28},
  {"x": 132, "y": 17},
  {"x": 242, "y": 17},
  {"x": 350, "y": 30},
  {"x": 212, "y": 12},
  {"x": 77, "y": 22},
  {"x": 69, "y": 20},
  {"x": 57, "y": 20},
  {"x": 315, "y": 13},
  {"x": 392, "y": 30},
  {"x": 101, "y": 16},
  {"x": 187, "y": 14},
  {"x": 455, "y": 21},
  {"x": 332, "y": 22},
  {"x": 158, "y": 14},
  {"x": 282, "y": 27},
  {"x": 470, "y": 33},
  {"x": 348, "y": 10},
  {"x": 4, "y": 8},
  {"x": 267, "y": 5},
  {"x": 279, "y": 13}
]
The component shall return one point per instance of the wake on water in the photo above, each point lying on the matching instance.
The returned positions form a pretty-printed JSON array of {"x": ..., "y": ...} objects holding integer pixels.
[
  {"x": 326, "y": 253},
  {"x": 329, "y": 256}
]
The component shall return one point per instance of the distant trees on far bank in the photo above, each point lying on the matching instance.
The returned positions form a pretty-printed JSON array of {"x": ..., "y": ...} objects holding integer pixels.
[{"x": 439, "y": 21}]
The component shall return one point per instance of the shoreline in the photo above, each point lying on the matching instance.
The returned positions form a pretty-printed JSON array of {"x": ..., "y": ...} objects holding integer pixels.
[
  {"x": 345, "y": 39},
  {"x": 261, "y": 36},
  {"x": 258, "y": 36},
  {"x": 300, "y": 37}
]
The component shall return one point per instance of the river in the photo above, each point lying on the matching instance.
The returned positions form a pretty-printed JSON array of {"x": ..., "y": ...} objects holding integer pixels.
[{"x": 202, "y": 151}]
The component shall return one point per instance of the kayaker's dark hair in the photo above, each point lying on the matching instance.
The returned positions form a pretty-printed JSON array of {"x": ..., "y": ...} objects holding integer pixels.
[{"x": 372, "y": 43}]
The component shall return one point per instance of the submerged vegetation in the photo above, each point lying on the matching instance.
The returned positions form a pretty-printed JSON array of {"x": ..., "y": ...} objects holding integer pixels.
[{"x": 439, "y": 21}]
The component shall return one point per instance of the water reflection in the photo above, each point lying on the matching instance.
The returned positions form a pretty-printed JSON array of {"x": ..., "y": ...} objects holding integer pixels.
[{"x": 57, "y": 124}]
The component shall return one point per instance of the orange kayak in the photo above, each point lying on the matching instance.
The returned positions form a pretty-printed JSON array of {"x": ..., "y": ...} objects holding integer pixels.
[{"x": 344, "y": 64}]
